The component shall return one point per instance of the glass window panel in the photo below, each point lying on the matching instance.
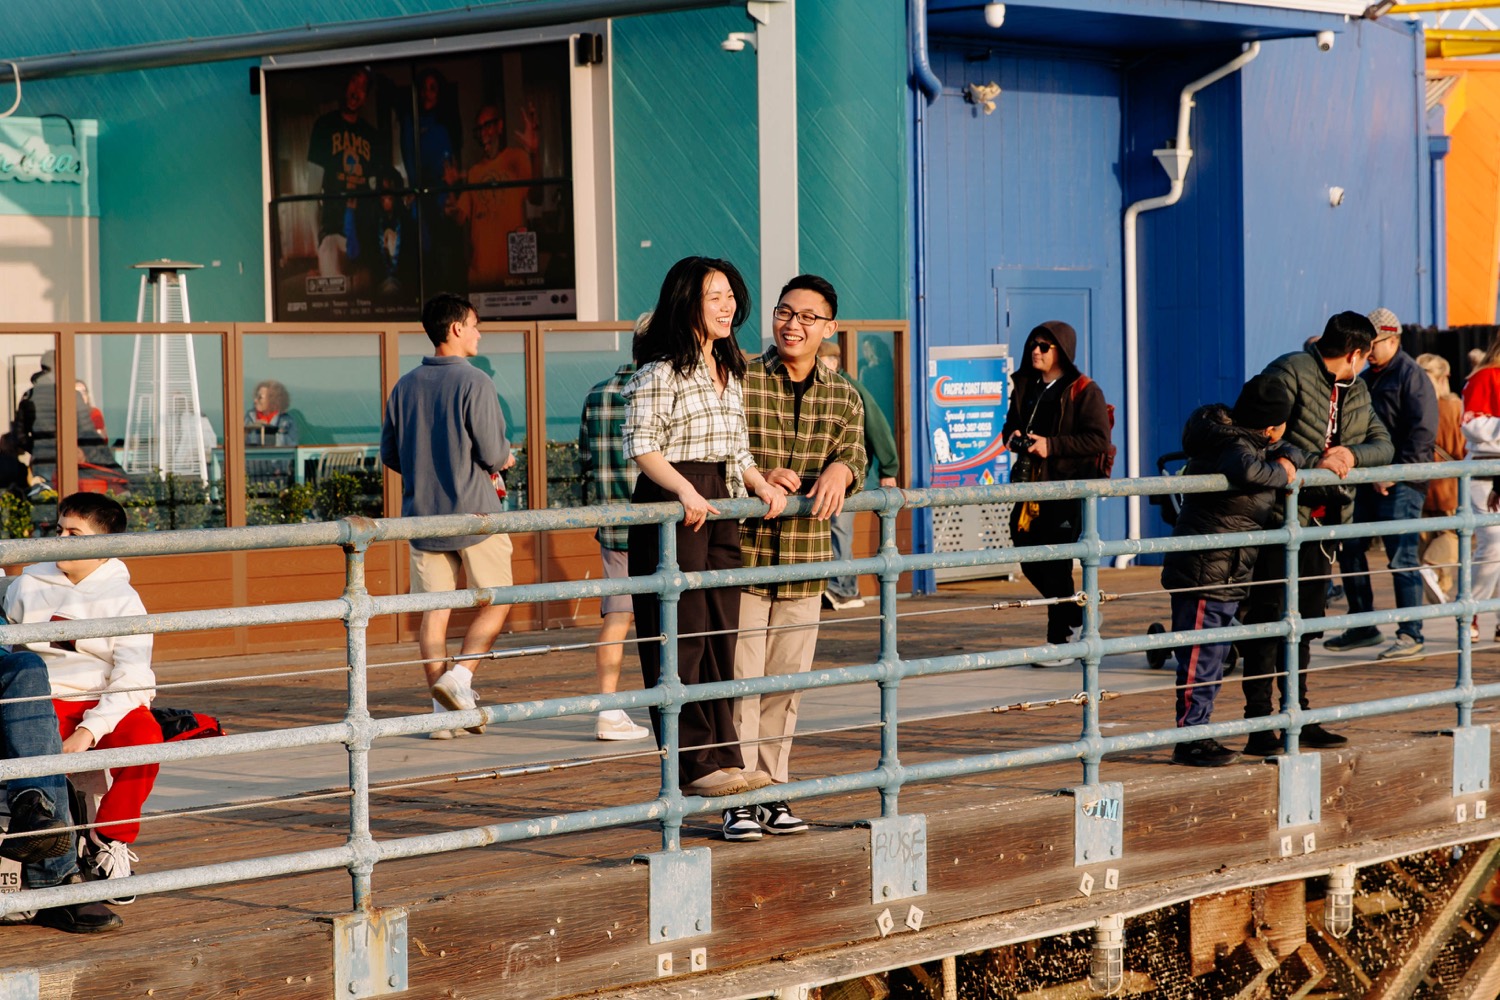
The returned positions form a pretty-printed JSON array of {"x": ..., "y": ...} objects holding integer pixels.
[
  {"x": 502, "y": 356},
  {"x": 312, "y": 427},
  {"x": 875, "y": 366},
  {"x": 576, "y": 361},
  {"x": 28, "y": 454},
  {"x": 150, "y": 422}
]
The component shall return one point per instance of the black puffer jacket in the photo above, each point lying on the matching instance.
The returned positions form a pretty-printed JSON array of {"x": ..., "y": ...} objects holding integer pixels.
[{"x": 1215, "y": 445}]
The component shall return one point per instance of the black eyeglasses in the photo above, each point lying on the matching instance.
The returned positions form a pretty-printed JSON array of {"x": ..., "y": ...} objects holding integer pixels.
[
  {"x": 1043, "y": 346},
  {"x": 806, "y": 317}
]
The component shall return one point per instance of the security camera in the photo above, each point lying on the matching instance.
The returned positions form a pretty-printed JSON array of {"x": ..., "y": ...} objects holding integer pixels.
[
  {"x": 994, "y": 14},
  {"x": 1325, "y": 41},
  {"x": 737, "y": 41}
]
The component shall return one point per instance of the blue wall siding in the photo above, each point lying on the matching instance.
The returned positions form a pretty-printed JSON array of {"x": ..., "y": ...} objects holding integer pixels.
[
  {"x": 1190, "y": 255},
  {"x": 685, "y": 152},
  {"x": 1352, "y": 118},
  {"x": 1029, "y": 196}
]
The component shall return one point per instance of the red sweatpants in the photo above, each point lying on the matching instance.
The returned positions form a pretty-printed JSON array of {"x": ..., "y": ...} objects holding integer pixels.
[{"x": 120, "y": 809}]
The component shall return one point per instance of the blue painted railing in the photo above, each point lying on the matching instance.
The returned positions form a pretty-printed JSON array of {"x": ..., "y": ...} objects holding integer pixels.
[{"x": 357, "y": 606}]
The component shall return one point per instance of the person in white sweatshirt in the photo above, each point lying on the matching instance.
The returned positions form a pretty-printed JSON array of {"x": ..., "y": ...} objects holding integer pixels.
[{"x": 101, "y": 697}]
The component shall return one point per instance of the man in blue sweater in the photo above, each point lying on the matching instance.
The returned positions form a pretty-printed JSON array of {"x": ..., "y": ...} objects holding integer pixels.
[
  {"x": 445, "y": 435},
  {"x": 1405, "y": 401}
]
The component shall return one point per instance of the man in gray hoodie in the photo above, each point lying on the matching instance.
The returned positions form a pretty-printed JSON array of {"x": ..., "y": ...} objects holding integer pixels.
[{"x": 445, "y": 435}]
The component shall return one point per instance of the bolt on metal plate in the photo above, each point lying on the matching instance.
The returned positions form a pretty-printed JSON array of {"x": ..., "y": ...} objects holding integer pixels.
[
  {"x": 1098, "y": 823},
  {"x": 681, "y": 894},
  {"x": 1299, "y": 799},
  {"x": 369, "y": 953},
  {"x": 898, "y": 857},
  {"x": 1471, "y": 760}
]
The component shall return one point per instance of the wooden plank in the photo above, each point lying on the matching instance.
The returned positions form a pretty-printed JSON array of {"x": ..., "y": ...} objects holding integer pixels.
[
  {"x": 1302, "y": 971},
  {"x": 1241, "y": 975},
  {"x": 1282, "y": 916},
  {"x": 1133, "y": 984},
  {"x": 1216, "y": 925}
]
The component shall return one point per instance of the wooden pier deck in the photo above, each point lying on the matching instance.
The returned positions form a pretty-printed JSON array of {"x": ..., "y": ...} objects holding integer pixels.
[{"x": 568, "y": 915}]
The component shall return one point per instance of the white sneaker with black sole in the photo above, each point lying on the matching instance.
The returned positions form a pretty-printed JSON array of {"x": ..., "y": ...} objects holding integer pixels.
[
  {"x": 776, "y": 817},
  {"x": 740, "y": 824},
  {"x": 110, "y": 859}
]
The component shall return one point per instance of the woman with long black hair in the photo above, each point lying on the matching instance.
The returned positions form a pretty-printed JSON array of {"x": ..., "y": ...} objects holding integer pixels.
[{"x": 685, "y": 429}]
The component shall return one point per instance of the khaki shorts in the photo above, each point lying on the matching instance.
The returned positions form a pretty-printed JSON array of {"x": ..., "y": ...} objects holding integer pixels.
[
  {"x": 615, "y": 568},
  {"x": 486, "y": 564}
]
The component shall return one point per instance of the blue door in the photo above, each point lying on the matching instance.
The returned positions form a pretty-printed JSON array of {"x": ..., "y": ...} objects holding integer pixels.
[{"x": 1024, "y": 208}]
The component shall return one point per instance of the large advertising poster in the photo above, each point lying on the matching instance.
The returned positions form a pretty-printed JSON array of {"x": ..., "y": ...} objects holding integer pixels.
[
  {"x": 968, "y": 390},
  {"x": 395, "y": 180}
]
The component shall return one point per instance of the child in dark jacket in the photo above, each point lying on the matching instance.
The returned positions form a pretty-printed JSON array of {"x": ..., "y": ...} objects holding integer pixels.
[{"x": 1244, "y": 445}]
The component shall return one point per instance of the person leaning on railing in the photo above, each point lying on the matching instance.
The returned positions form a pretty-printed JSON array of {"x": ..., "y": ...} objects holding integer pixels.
[
  {"x": 685, "y": 428},
  {"x": 1439, "y": 549},
  {"x": 1245, "y": 446},
  {"x": 1481, "y": 430},
  {"x": 1058, "y": 425},
  {"x": 1333, "y": 423}
]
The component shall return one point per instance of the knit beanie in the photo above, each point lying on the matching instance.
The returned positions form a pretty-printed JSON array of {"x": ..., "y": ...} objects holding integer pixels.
[{"x": 1264, "y": 402}]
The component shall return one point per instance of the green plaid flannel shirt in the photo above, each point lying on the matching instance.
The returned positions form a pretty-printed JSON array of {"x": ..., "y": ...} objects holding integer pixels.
[
  {"x": 608, "y": 476},
  {"x": 831, "y": 429}
]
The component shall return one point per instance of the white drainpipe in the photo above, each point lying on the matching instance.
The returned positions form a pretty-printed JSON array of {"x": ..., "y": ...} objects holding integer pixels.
[{"x": 1174, "y": 160}]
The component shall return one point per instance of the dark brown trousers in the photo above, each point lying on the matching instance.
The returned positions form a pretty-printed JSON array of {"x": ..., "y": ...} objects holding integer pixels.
[{"x": 700, "y": 659}]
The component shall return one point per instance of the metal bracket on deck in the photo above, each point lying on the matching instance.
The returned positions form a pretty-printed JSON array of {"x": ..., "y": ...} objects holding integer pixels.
[
  {"x": 1098, "y": 823},
  {"x": 20, "y": 984},
  {"x": 369, "y": 953},
  {"x": 1471, "y": 760},
  {"x": 898, "y": 857},
  {"x": 1299, "y": 799},
  {"x": 681, "y": 894}
]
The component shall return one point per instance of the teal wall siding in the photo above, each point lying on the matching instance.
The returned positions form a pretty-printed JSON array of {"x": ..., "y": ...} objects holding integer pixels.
[
  {"x": 851, "y": 111},
  {"x": 180, "y": 157},
  {"x": 685, "y": 152},
  {"x": 178, "y": 171}
]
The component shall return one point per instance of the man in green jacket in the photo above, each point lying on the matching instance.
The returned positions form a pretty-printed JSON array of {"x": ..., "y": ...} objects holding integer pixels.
[
  {"x": 880, "y": 448},
  {"x": 1334, "y": 424}
]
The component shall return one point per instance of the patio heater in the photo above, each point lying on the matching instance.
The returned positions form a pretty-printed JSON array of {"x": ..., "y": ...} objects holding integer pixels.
[{"x": 164, "y": 421}]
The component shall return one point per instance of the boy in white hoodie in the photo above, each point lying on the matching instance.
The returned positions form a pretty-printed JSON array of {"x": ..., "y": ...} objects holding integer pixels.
[{"x": 101, "y": 697}]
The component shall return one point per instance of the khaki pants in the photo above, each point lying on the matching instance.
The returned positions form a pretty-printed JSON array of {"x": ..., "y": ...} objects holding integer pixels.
[
  {"x": 772, "y": 717},
  {"x": 1439, "y": 549}
]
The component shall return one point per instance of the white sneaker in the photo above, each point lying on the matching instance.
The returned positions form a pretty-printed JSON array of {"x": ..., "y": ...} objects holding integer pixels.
[
  {"x": 1430, "y": 580},
  {"x": 440, "y": 734},
  {"x": 1074, "y": 634},
  {"x": 456, "y": 697},
  {"x": 110, "y": 859},
  {"x": 616, "y": 725},
  {"x": 838, "y": 603}
]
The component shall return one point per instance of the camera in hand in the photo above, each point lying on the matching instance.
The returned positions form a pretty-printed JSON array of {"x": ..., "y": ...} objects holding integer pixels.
[
  {"x": 1026, "y": 468},
  {"x": 1021, "y": 443}
]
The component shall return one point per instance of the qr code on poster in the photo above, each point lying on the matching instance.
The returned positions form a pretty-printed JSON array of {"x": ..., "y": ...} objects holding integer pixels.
[{"x": 522, "y": 252}]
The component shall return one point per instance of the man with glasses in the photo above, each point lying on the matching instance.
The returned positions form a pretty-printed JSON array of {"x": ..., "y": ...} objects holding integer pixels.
[
  {"x": 1334, "y": 425},
  {"x": 1406, "y": 403},
  {"x": 807, "y": 427}
]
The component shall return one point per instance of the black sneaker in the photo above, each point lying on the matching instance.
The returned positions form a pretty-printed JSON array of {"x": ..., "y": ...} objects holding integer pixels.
[
  {"x": 1354, "y": 638},
  {"x": 740, "y": 824},
  {"x": 1264, "y": 744},
  {"x": 1315, "y": 736},
  {"x": 776, "y": 817},
  {"x": 80, "y": 918},
  {"x": 1204, "y": 753},
  {"x": 30, "y": 813}
]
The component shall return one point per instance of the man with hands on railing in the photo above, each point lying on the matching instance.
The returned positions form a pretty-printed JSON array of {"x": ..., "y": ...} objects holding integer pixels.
[
  {"x": 1406, "y": 403},
  {"x": 807, "y": 426},
  {"x": 1333, "y": 423}
]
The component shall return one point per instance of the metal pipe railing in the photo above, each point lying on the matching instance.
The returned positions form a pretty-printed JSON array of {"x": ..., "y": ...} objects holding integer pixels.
[{"x": 361, "y": 852}]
